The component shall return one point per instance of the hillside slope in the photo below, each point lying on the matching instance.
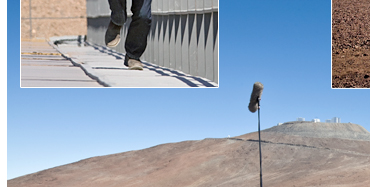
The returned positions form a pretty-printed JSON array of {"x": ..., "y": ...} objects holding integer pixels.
[{"x": 288, "y": 160}]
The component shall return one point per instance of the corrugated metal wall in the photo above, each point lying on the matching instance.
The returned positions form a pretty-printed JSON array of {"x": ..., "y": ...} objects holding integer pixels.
[{"x": 184, "y": 34}]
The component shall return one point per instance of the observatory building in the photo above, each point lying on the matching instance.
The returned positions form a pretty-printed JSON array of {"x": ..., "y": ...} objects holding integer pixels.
[
  {"x": 300, "y": 119},
  {"x": 316, "y": 120},
  {"x": 335, "y": 120}
]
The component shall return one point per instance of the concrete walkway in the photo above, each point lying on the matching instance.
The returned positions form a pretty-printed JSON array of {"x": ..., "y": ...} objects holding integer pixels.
[
  {"x": 44, "y": 66},
  {"x": 106, "y": 67}
]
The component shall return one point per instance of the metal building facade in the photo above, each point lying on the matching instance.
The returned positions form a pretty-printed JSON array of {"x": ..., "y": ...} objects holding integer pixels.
[{"x": 183, "y": 36}]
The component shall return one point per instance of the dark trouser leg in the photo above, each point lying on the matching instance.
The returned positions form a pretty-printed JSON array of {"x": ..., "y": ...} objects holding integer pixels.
[
  {"x": 118, "y": 14},
  {"x": 139, "y": 28}
]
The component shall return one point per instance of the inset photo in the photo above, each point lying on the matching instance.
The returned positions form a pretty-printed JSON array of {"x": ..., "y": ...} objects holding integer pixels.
[
  {"x": 350, "y": 44},
  {"x": 119, "y": 43}
]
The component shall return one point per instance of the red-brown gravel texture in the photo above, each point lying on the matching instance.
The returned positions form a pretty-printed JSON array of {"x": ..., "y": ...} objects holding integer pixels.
[{"x": 351, "y": 44}]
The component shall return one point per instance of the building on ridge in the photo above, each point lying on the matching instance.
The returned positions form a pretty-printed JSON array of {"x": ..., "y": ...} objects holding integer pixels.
[
  {"x": 300, "y": 119},
  {"x": 335, "y": 120}
]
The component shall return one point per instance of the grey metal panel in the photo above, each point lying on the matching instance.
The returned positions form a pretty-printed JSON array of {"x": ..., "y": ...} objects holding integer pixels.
[
  {"x": 103, "y": 7},
  {"x": 215, "y": 44},
  {"x": 208, "y": 5},
  {"x": 160, "y": 40},
  {"x": 208, "y": 31},
  {"x": 160, "y": 34},
  {"x": 215, "y": 4},
  {"x": 191, "y": 6},
  {"x": 199, "y": 4},
  {"x": 152, "y": 46},
  {"x": 166, "y": 41},
  {"x": 97, "y": 8},
  {"x": 91, "y": 9},
  {"x": 177, "y": 5},
  {"x": 144, "y": 56},
  {"x": 185, "y": 43},
  {"x": 201, "y": 45},
  {"x": 148, "y": 50},
  {"x": 165, "y": 6},
  {"x": 171, "y": 6},
  {"x": 184, "y": 5},
  {"x": 155, "y": 6},
  {"x": 156, "y": 40},
  {"x": 193, "y": 51},
  {"x": 178, "y": 42},
  {"x": 160, "y": 5},
  {"x": 172, "y": 41}
]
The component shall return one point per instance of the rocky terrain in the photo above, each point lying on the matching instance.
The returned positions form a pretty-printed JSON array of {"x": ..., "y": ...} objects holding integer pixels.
[
  {"x": 294, "y": 154},
  {"x": 350, "y": 43},
  {"x": 47, "y": 18}
]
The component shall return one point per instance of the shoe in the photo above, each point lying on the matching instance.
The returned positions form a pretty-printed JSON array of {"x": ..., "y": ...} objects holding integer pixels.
[
  {"x": 134, "y": 64},
  {"x": 113, "y": 35}
]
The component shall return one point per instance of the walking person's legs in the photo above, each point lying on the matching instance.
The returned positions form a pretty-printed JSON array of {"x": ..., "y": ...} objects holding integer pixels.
[
  {"x": 118, "y": 18},
  {"x": 138, "y": 31}
]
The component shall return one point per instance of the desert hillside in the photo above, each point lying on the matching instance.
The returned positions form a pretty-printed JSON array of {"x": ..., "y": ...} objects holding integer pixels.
[{"x": 294, "y": 154}]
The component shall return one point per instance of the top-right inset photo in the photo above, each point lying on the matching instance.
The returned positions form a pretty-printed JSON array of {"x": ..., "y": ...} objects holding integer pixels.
[{"x": 350, "y": 44}]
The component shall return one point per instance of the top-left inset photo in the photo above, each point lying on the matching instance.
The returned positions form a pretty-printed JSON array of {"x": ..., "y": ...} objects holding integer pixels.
[{"x": 119, "y": 44}]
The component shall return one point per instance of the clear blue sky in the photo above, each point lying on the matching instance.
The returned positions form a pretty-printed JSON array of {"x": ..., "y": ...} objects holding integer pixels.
[{"x": 284, "y": 44}]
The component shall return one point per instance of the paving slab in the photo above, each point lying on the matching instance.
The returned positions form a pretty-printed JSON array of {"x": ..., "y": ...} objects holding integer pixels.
[
  {"x": 105, "y": 65},
  {"x": 43, "y": 66}
]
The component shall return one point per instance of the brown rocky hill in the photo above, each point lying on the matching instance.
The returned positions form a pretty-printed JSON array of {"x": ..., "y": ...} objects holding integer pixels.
[{"x": 294, "y": 154}]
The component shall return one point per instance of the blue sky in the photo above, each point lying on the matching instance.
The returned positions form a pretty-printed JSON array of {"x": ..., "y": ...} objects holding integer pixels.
[{"x": 284, "y": 44}]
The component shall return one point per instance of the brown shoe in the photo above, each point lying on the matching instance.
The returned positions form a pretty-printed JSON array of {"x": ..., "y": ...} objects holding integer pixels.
[
  {"x": 134, "y": 64},
  {"x": 113, "y": 35}
]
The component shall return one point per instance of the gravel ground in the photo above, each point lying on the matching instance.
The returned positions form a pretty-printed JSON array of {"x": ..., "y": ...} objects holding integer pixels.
[{"x": 351, "y": 44}]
